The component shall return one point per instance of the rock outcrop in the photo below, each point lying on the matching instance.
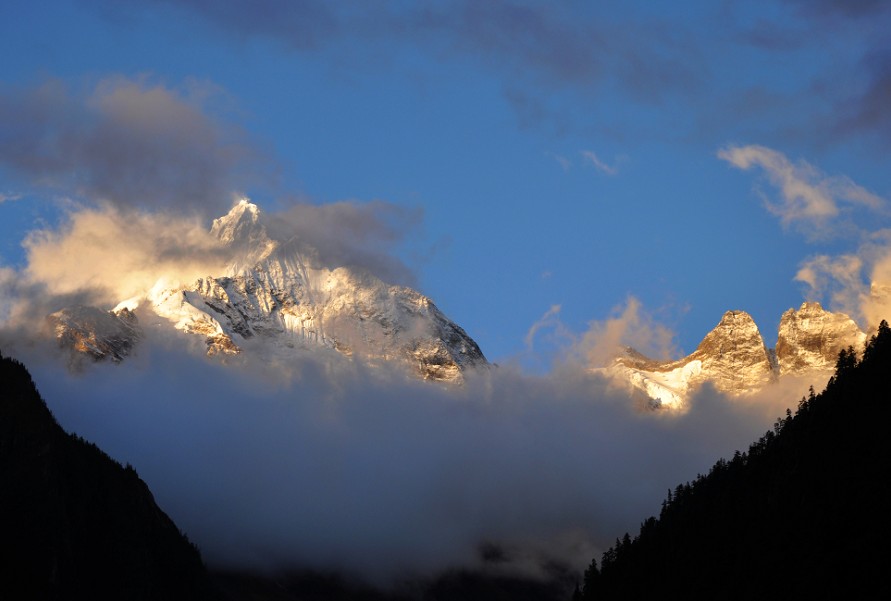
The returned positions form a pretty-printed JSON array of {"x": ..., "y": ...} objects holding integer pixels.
[
  {"x": 735, "y": 360},
  {"x": 811, "y": 338}
]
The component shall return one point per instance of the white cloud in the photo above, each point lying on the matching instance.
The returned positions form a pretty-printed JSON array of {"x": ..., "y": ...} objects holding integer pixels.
[
  {"x": 550, "y": 319},
  {"x": 598, "y": 164},
  {"x": 808, "y": 197},
  {"x": 115, "y": 254},
  {"x": 838, "y": 277},
  {"x": 858, "y": 284},
  {"x": 630, "y": 326},
  {"x": 334, "y": 465}
]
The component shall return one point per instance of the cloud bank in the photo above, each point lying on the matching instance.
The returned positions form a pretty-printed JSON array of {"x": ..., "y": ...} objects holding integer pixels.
[
  {"x": 132, "y": 142},
  {"x": 325, "y": 462},
  {"x": 328, "y": 464}
]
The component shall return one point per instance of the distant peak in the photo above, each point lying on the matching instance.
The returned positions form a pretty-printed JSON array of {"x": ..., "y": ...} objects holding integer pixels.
[
  {"x": 240, "y": 224},
  {"x": 241, "y": 209}
]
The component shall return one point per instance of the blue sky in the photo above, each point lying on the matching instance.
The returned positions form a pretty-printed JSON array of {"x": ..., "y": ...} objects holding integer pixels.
[{"x": 695, "y": 156}]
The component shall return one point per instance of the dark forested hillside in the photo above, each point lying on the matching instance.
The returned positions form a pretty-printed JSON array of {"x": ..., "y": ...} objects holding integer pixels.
[
  {"x": 804, "y": 513},
  {"x": 74, "y": 524}
]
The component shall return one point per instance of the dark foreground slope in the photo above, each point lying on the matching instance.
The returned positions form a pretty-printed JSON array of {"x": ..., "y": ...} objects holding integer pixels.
[
  {"x": 74, "y": 524},
  {"x": 803, "y": 514}
]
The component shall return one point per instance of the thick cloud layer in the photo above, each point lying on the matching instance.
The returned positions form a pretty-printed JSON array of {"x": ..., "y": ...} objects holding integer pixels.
[
  {"x": 330, "y": 464},
  {"x": 325, "y": 462}
]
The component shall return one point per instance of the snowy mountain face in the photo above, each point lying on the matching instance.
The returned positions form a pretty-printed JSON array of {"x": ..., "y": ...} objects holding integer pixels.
[
  {"x": 734, "y": 358},
  {"x": 273, "y": 298}
]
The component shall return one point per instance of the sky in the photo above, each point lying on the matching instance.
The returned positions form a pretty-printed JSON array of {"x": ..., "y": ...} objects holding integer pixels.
[
  {"x": 558, "y": 154},
  {"x": 537, "y": 169}
]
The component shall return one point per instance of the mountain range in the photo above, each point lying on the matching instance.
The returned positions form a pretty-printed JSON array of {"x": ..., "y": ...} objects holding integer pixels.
[
  {"x": 735, "y": 360},
  {"x": 276, "y": 299}
]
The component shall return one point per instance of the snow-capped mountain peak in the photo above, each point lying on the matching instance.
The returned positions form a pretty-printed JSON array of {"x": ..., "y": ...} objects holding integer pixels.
[
  {"x": 271, "y": 300},
  {"x": 241, "y": 223},
  {"x": 243, "y": 231}
]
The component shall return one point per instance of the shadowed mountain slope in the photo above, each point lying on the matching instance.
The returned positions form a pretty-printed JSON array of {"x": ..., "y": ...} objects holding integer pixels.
[
  {"x": 804, "y": 513},
  {"x": 75, "y": 524}
]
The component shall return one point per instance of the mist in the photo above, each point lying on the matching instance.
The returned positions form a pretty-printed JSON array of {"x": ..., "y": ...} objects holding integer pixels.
[
  {"x": 329, "y": 464},
  {"x": 323, "y": 461}
]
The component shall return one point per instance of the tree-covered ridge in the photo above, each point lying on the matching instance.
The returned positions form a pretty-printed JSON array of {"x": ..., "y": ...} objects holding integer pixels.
[
  {"x": 75, "y": 524},
  {"x": 803, "y": 513}
]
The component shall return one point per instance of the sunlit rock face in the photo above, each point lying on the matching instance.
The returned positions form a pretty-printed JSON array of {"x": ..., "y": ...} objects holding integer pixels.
[
  {"x": 732, "y": 357},
  {"x": 735, "y": 360},
  {"x": 275, "y": 299},
  {"x": 811, "y": 338},
  {"x": 91, "y": 332}
]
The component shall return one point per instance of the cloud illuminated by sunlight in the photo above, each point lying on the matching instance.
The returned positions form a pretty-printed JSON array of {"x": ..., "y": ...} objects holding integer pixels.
[
  {"x": 116, "y": 254},
  {"x": 808, "y": 197}
]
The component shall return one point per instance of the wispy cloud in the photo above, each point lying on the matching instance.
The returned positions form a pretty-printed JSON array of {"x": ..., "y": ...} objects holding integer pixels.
[
  {"x": 564, "y": 162},
  {"x": 630, "y": 325},
  {"x": 807, "y": 197},
  {"x": 838, "y": 278},
  {"x": 592, "y": 158},
  {"x": 550, "y": 320},
  {"x": 354, "y": 234}
]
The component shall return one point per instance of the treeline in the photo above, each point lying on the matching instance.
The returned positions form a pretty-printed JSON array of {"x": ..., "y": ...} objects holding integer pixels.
[
  {"x": 74, "y": 523},
  {"x": 803, "y": 513}
]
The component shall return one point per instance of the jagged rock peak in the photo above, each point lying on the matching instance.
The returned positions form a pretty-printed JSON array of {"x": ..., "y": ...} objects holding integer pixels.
[
  {"x": 811, "y": 338},
  {"x": 736, "y": 331},
  {"x": 734, "y": 356}
]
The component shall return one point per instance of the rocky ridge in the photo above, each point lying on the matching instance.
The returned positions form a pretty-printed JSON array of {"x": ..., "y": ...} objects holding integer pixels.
[{"x": 735, "y": 360}]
